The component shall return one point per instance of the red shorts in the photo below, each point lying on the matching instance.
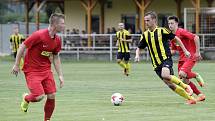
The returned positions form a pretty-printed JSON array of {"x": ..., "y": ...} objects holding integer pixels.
[
  {"x": 40, "y": 82},
  {"x": 186, "y": 66}
]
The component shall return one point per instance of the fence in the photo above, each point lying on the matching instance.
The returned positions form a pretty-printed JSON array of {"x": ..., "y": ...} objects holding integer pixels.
[
  {"x": 7, "y": 29},
  {"x": 206, "y": 20},
  {"x": 103, "y": 46}
]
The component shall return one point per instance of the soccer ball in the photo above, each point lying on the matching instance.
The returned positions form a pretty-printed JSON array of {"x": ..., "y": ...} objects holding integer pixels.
[{"x": 117, "y": 99}]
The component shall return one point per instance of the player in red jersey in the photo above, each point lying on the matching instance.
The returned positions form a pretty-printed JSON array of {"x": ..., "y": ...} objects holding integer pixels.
[
  {"x": 185, "y": 65},
  {"x": 42, "y": 48}
]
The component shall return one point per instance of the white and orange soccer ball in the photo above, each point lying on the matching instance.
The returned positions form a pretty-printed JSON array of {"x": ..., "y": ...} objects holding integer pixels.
[{"x": 117, "y": 99}]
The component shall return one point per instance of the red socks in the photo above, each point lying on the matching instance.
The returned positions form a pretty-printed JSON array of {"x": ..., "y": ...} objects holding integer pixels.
[
  {"x": 194, "y": 88},
  {"x": 49, "y": 108}
]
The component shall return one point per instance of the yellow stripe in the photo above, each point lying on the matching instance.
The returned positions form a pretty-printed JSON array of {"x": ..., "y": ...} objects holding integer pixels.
[
  {"x": 154, "y": 48},
  {"x": 150, "y": 51},
  {"x": 13, "y": 43},
  {"x": 122, "y": 46},
  {"x": 17, "y": 42},
  {"x": 163, "y": 52},
  {"x": 117, "y": 35},
  {"x": 166, "y": 31},
  {"x": 125, "y": 43}
]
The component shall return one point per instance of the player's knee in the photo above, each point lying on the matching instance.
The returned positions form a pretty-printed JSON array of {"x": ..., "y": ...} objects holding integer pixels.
[
  {"x": 51, "y": 96},
  {"x": 182, "y": 74},
  {"x": 169, "y": 84},
  {"x": 118, "y": 61},
  {"x": 165, "y": 76},
  {"x": 39, "y": 98}
]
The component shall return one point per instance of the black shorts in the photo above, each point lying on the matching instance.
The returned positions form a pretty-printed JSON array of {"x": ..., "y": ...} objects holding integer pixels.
[
  {"x": 166, "y": 63},
  {"x": 125, "y": 56},
  {"x": 14, "y": 54}
]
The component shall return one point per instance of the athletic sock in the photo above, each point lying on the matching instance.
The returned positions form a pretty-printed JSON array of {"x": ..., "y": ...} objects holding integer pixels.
[
  {"x": 194, "y": 88},
  {"x": 128, "y": 66},
  {"x": 49, "y": 108},
  {"x": 122, "y": 64},
  {"x": 180, "y": 91},
  {"x": 177, "y": 81}
]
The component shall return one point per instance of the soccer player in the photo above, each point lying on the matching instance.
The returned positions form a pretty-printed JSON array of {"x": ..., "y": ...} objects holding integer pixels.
[
  {"x": 123, "y": 55},
  {"x": 156, "y": 39},
  {"x": 185, "y": 65},
  {"x": 42, "y": 48},
  {"x": 16, "y": 40}
]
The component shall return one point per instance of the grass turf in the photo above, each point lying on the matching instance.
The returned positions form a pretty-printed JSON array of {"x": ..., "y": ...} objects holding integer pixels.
[{"x": 89, "y": 86}]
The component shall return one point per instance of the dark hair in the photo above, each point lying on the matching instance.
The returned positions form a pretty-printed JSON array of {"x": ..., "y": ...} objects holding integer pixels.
[
  {"x": 152, "y": 14},
  {"x": 55, "y": 17},
  {"x": 173, "y": 18}
]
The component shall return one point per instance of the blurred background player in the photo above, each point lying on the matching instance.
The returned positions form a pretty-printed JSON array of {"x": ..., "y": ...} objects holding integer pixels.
[
  {"x": 16, "y": 40},
  {"x": 185, "y": 65},
  {"x": 123, "y": 55},
  {"x": 157, "y": 41},
  {"x": 43, "y": 47}
]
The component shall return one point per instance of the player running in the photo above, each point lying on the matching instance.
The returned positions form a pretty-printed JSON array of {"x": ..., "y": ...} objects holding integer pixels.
[
  {"x": 42, "y": 47},
  {"x": 157, "y": 40},
  {"x": 185, "y": 65}
]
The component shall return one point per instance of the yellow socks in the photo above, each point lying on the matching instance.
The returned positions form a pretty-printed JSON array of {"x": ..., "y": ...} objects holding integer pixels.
[
  {"x": 182, "y": 93},
  {"x": 122, "y": 64},
  {"x": 177, "y": 81},
  {"x": 128, "y": 66}
]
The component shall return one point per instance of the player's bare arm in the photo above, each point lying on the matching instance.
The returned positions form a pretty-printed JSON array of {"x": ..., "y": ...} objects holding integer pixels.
[
  {"x": 137, "y": 56},
  {"x": 57, "y": 65},
  {"x": 15, "y": 69},
  {"x": 187, "y": 53},
  {"x": 117, "y": 42},
  {"x": 197, "y": 43},
  {"x": 127, "y": 40}
]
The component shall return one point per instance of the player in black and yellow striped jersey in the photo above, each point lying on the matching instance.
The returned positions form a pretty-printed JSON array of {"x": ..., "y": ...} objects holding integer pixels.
[
  {"x": 123, "y": 55},
  {"x": 157, "y": 40},
  {"x": 16, "y": 39}
]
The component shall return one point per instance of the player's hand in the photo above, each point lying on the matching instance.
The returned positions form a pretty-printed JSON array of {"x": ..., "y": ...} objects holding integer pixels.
[
  {"x": 198, "y": 56},
  {"x": 61, "y": 81},
  {"x": 15, "y": 70},
  {"x": 136, "y": 59},
  {"x": 187, "y": 54},
  {"x": 122, "y": 39}
]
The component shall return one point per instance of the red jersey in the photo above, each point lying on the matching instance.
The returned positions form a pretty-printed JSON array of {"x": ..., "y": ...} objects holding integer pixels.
[
  {"x": 40, "y": 46},
  {"x": 187, "y": 39}
]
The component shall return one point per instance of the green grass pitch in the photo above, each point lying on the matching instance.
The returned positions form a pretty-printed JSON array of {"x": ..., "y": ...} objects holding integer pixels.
[{"x": 89, "y": 86}]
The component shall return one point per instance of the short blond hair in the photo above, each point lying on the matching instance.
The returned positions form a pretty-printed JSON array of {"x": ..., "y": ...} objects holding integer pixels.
[{"x": 55, "y": 17}]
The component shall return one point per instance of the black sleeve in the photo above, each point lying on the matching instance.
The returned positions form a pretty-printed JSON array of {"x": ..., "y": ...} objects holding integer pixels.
[
  {"x": 128, "y": 37},
  {"x": 142, "y": 44},
  {"x": 171, "y": 36},
  {"x": 167, "y": 34},
  {"x": 10, "y": 39}
]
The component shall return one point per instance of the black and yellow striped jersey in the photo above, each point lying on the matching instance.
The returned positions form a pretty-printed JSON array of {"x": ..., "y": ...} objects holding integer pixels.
[
  {"x": 157, "y": 42},
  {"x": 15, "y": 41},
  {"x": 122, "y": 45}
]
